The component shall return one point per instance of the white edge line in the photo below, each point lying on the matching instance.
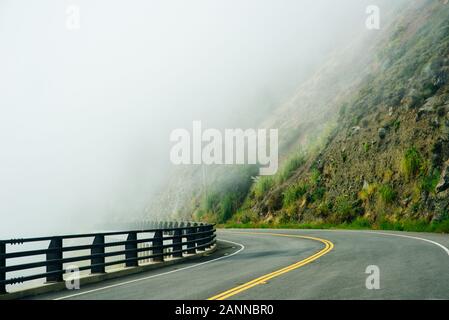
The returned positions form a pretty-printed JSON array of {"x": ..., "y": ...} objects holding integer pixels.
[
  {"x": 242, "y": 247},
  {"x": 412, "y": 237},
  {"x": 377, "y": 232},
  {"x": 394, "y": 235}
]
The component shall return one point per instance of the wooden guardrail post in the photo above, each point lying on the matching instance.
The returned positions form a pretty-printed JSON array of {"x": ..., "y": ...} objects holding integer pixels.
[
  {"x": 201, "y": 228},
  {"x": 158, "y": 240},
  {"x": 209, "y": 229},
  {"x": 2, "y": 265},
  {"x": 98, "y": 249},
  {"x": 191, "y": 239},
  {"x": 56, "y": 255},
  {"x": 132, "y": 247},
  {"x": 177, "y": 243}
]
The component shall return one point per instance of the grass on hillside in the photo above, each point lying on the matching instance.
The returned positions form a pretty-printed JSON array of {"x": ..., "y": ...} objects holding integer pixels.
[{"x": 357, "y": 224}]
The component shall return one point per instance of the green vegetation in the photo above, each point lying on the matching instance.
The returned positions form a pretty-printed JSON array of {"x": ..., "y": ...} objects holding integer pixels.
[
  {"x": 396, "y": 125},
  {"x": 429, "y": 182},
  {"x": 292, "y": 164},
  {"x": 219, "y": 202},
  {"x": 344, "y": 208},
  {"x": 324, "y": 209},
  {"x": 359, "y": 223},
  {"x": 321, "y": 186},
  {"x": 387, "y": 194},
  {"x": 411, "y": 163},
  {"x": 367, "y": 193},
  {"x": 419, "y": 225},
  {"x": 293, "y": 193},
  {"x": 315, "y": 177},
  {"x": 318, "y": 194},
  {"x": 366, "y": 146},
  {"x": 226, "y": 208},
  {"x": 263, "y": 185}
]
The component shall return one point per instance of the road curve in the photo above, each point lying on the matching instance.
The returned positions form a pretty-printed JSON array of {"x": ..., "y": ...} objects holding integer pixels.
[{"x": 294, "y": 264}]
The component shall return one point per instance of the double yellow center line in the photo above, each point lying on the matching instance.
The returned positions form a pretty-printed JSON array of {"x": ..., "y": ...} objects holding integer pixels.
[{"x": 328, "y": 246}]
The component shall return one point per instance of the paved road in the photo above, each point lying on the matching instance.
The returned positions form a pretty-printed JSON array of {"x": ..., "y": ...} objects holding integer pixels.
[{"x": 332, "y": 265}]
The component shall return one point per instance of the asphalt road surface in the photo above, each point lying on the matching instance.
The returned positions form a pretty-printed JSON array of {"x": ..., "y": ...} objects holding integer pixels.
[{"x": 295, "y": 264}]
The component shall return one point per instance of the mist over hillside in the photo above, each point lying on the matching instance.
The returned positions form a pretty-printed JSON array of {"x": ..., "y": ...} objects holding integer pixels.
[
  {"x": 303, "y": 118},
  {"x": 363, "y": 140},
  {"x": 87, "y": 111}
]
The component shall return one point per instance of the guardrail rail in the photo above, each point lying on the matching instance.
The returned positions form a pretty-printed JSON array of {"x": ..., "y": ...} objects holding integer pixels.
[{"x": 169, "y": 239}]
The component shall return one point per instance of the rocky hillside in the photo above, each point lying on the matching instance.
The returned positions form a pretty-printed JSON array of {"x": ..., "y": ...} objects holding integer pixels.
[{"x": 364, "y": 142}]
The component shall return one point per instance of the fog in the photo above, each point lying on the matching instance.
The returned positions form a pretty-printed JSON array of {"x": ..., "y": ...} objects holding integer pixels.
[{"x": 86, "y": 114}]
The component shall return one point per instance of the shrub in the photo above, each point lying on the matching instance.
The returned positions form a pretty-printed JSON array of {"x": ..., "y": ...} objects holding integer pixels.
[
  {"x": 324, "y": 208},
  {"x": 441, "y": 226},
  {"x": 344, "y": 156},
  {"x": 360, "y": 223},
  {"x": 318, "y": 194},
  {"x": 387, "y": 194},
  {"x": 430, "y": 181},
  {"x": 411, "y": 162},
  {"x": 293, "y": 193},
  {"x": 226, "y": 208},
  {"x": 262, "y": 186},
  {"x": 290, "y": 167},
  {"x": 367, "y": 193},
  {"x": 344, "y": 208},
  {"x": 366, "y": 146},
  {"x": 396, "y": 125},
  {"x": 315, "y": 177},
  {"x": 342, "y": 111},
  {"x": 211, "y": 200}
]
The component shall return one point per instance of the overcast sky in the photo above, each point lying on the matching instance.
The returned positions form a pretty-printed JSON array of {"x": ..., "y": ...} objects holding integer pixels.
[{"x": 86, "y": 114}]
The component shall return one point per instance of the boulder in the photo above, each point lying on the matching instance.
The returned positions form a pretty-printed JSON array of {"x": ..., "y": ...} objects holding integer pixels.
[
  {"x": 382, "y": 133},
  {"x": 435, "y": 123},
  {"x": 425, "y": 110},
  {"x": 355, "y": 130},
  {"x": 443, "y": 184},
  {"x": 390, "y": 111},
  {"x": 441, "y": 111}
]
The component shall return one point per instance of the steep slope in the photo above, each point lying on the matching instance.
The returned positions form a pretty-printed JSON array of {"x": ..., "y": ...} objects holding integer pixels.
[
  {"x": 389, "y": 149},
  {"x": 362, "y": 142}
]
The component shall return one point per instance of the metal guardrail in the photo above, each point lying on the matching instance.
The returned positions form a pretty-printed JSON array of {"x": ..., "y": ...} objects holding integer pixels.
[{"x": 184, "y": 238}]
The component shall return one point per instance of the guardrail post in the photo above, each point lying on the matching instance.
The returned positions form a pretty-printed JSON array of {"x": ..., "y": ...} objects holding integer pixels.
[
  {"x": 201, "y": 242},
  {"x": 177, "y": 243},
  {"x": 132, "y": 247},
  {"x": 190, "y": 237},
  {"x": 201, "y": 228},
  {"x": 2, "y": 265},
  {"x": 209, "y": 234},
  {"x": 98, "y": 248},
  {"x": 158, "y": 240},
  {"x": 55, "y": 254},
  {"x": 214, "y": 234}
]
